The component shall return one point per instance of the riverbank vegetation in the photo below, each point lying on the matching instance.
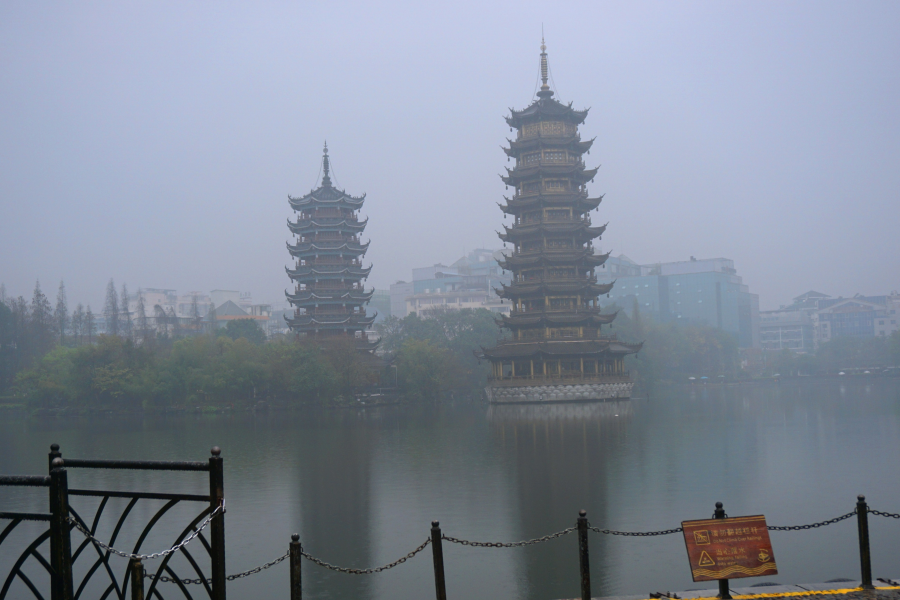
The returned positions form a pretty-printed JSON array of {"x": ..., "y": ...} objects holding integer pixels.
[{"x": 52, "y": 360}]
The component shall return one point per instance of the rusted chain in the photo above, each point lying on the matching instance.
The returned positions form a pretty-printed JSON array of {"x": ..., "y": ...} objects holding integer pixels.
[
  {"x": 352, "y": 571},
  {"x": 509, "y": 544}
]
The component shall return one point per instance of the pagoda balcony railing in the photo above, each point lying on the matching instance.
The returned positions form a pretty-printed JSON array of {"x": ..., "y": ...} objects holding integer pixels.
[
  {"x": 330, "y": 312},
  {"x": 329, "y": 220},
  {"x": 549, "y": 310},
  {"x": 537, "y": 133},
  {"x": 327, "y": 213},
  {"x": 330, "y": 289},
  {"x": 549, "y": 162},
  {"x": 337, "y": 237},
  {"x": 330, "y": 261},
  {"x": 543, "y": 335},
  {"x": 553, "y": 219},
  {"x": 539, "y": 278},
  {"x": 529, "y": 251},
  {"x": 574, "y": 377}
]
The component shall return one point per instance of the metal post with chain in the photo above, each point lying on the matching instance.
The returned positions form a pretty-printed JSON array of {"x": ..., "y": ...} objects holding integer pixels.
[
  {"x": 865, "y": 558},
  {"x": 724, "y": 593},
  {"x": 584, "y": 562},
  {"x": 437, "y": 550}
]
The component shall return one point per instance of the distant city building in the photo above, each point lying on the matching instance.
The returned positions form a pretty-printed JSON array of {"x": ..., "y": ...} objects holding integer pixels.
[
  {"x": 785, "y": 329},
  {"x": 815, "y": 318},
  {"x": 166, "y": 311},
  {"x": 706, "y": 291},
  {"x": 470, "y": 282},
  {"x": 860, "y": 316},
  {"x": 381, "y": 304},
  {"x": 328, "y": 272}
]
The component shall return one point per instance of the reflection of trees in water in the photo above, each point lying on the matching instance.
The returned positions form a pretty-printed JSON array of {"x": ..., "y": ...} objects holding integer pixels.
[
  {"x": 562, "y": 453},
  {"x": 334, "y": 502}
]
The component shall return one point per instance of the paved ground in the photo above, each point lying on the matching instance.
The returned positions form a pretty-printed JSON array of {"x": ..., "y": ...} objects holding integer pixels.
[{"x": 888, "y": 589}]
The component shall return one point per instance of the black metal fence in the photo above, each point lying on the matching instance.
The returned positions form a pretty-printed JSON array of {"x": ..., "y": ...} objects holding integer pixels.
[
  {"x": 93, "y": 554},
  {"x": 582, "y": 527}
]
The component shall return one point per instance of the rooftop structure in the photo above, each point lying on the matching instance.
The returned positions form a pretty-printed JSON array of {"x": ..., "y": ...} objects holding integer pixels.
[
  {"x": 328, "y": 297},
  {"x": 557, "y": 351},
  {"x": 470, "y": 282}
]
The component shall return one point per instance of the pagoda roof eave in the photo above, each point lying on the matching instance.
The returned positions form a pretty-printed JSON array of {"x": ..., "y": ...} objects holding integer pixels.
[
  {"x": 517, "y": 203},
  {"x": 584, "y": 287},
  {"x": 591, "y": 317},
  {"x": 546, "y": 108},
  {"x": 580, "y": 229},
  {"x": 544, "y": 257},
  {"x": 572, "y": 142},
  {"x": 576, "y": 171},
  {"x": 561, "y": 348}
]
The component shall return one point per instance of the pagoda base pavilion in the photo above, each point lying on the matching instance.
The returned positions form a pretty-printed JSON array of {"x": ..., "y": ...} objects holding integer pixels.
[{"x": 559, "y": 371}]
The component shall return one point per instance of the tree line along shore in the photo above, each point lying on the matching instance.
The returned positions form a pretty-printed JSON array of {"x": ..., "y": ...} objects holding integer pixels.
[{"x": 49, "y": 361}]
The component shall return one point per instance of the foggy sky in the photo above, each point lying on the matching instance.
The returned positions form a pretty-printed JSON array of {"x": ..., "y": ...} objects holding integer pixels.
[{"x": 156, "y": 143}]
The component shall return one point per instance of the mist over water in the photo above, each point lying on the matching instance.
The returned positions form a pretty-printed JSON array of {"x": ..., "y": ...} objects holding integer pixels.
[{"x": 362, "y": 486}]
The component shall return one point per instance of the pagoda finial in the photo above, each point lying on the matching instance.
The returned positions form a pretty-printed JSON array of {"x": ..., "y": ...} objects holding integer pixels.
[
  {"x": 545, "y": 89},
  {"x": 326, "y": 180}
]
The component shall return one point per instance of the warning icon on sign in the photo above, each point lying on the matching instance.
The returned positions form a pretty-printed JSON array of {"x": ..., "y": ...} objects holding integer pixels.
[{"x": 706, "y": 560}]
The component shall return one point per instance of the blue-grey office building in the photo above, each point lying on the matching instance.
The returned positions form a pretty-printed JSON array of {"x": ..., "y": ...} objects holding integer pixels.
[{"x": 706, "y": 291}]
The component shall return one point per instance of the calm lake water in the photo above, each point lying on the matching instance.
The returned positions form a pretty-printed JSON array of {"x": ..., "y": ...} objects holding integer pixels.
[{"x": 362, "y": 486}]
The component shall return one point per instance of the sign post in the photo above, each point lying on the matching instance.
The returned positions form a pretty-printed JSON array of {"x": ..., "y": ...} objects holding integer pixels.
[{"x": 729, "y": 548}]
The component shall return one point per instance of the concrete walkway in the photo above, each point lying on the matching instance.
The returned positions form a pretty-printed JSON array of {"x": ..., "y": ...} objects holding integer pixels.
[{"x": 887, "y": 589}]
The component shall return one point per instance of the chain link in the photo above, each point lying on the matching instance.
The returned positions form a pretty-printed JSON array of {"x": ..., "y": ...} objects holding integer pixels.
[
  {"x": 399, "y": 561},
  {"x": 198, "y": 581},
  {"x": 509, "y": 544},
  {"x": 812, "y": 525},
  {"x": 175, "y": 548},
  {"x": 884, "y": 514},
  {"x": 636, "y": 533}
]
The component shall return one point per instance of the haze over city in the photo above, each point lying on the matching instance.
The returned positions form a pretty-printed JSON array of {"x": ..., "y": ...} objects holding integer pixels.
[{"x": 156, "y": 144}]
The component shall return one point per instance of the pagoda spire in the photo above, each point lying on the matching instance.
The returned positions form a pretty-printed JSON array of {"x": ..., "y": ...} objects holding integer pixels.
[
  {"x": 326, "y": 180},
  {"x": 545, "y": 92}
]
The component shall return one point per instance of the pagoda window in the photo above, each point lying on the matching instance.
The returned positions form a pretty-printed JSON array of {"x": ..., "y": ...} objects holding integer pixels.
[
  {"x": 532, "y": 158},
  {"x": 562, "y": 303},
  {"x": 559, "y": 244},
  {"x": 531, "y": 245},
  {"x": 553, "y": 128},
  {"x": 562, "y": 273},
  {"x": 555, "y": 156},
  {"x": 559, "y": 214},
  {"x": 531, "y": 187},
  {"x": 556, "y": 185},
  {"x": 532, "y": 217},
  {"x": 530, "y": 130}
]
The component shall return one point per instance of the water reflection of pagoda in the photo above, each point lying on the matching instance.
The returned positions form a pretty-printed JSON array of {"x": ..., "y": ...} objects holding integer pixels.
[
  {"x": 329, "y": 272},
  {"x": 557, "y": 351}
]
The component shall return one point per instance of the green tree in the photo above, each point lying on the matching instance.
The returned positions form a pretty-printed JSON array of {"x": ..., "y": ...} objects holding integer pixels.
[
  {"x": 424, "y": 370},
  {"x": 111, "y": 309},
  {"x": 61, "y": 314},
  {"x": 248, "y": 329}
]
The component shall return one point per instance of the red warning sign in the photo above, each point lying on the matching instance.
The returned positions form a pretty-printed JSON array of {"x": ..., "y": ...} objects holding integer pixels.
[{"x": 729, "y": 548}]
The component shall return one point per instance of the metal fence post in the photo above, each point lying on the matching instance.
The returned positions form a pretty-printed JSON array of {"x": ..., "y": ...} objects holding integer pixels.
[
  {"x": 865, "y": 559},
  {"x": 54, "y": 454},
  {"x": 137, "y": 579},
  {"x": 437, "y": 550},
  {"x": 217, "y": 525},
  {"x": 60, "y": 543},
  {"x": 296, "y": 580},
  {"x": 724, "y": 593},
  {"x": 583, "y": 558}
]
